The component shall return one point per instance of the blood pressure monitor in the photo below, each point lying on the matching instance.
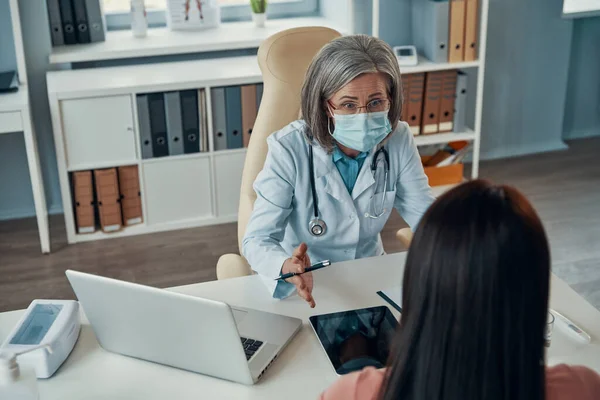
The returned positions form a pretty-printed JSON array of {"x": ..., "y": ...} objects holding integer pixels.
[
  {"x": 54, "y": 323},
  {"x": 406, "y": 55}
]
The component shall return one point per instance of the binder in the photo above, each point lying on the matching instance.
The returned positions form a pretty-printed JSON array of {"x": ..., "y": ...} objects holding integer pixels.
[
  {"x": 218, "y": 118},
  {"x": 415, "y": 102},
  {"x": 189, "y": 119},
  {"x": 430, "y": 28},
  {"x": 109, "y": 206},
  {"x": 131, "y": 197},
  {"x": 249, "y": 111},
  {"x": 460, "y": 103},
  {"x": 405, "y": 86},
  {"x": 431, "y": 103},
  {"x": 158, "y": 125},
  {"x": 203, "y": 120},
  {"x": 456, "y": 48},
  {"x": 68, "y": 22},
  {"x": 81, "y": 22},
  {"x": 471, "y": 30},
  {"x": 447, "y": 101},
  {"x": 56, "y": 31},
  {"x": 259, "y": 93},
  {"x": 95, "y": 21},
  {"x": 233, "y": 113},
  {"x": 174, "y": 123},
  {"x": 83, "y": 194},
  {"x": 144, "y": 124}
]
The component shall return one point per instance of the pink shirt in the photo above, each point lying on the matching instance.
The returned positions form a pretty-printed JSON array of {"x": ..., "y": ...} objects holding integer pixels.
[{"x": 562, "y": 382}]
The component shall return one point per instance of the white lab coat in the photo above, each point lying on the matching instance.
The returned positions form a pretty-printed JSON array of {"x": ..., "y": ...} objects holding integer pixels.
[{"x": 284, "y": 204}]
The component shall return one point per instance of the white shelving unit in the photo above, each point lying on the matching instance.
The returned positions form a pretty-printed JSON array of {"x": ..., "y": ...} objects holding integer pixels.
[
  {"x": 425, "y": 65},
  {"x": 206, "y": 188},
  {"x": 15, "y": 116}
]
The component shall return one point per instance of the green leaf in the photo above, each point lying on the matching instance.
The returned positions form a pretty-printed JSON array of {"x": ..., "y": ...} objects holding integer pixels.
[{"x": 258, "y": 6}]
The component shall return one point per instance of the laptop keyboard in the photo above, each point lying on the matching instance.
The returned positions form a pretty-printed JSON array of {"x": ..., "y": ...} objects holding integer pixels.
[{"x": 251, "y": 346}]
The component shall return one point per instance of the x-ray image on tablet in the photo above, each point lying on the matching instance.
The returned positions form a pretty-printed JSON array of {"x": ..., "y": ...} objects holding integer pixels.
[{"x": 356, "y": 339}]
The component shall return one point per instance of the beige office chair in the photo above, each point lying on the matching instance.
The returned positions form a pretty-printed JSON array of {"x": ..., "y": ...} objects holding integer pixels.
[{"x": 283, "y": 59}]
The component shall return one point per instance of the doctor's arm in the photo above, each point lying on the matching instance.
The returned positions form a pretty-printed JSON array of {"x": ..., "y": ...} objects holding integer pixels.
[
  {"x": 261, "y": 246},
  {"x": 413, "y": 194}
]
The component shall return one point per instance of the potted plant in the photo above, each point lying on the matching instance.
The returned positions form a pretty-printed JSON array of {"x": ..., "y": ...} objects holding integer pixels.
[{"x": 259, "y": 12}]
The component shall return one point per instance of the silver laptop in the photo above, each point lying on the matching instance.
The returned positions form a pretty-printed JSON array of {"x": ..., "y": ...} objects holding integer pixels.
[{"x": 182, "y": 331}]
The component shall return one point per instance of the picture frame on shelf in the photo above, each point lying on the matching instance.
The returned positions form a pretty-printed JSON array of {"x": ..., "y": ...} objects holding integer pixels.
[{"x": 193, "y": 14}]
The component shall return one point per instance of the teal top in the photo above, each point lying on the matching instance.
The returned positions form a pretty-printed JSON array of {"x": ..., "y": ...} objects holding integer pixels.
[{"x": 348, "y": 167}]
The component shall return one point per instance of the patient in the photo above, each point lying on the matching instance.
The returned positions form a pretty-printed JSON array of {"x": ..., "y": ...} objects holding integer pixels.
[{"x": 475, "y": 303}]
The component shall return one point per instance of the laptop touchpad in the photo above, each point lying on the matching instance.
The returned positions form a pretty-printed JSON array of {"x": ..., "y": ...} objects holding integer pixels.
[{"x": 238, "y": 315}]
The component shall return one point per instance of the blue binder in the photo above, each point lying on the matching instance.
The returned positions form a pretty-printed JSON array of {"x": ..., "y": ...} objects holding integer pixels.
[
  {"x": 158, "y": 125},
  {"x": 219, "y": 118},
  {"x": 233, "y": 113}
]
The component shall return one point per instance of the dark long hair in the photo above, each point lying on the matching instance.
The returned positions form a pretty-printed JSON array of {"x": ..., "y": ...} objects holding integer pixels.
[{"x": 475, "y": 301}]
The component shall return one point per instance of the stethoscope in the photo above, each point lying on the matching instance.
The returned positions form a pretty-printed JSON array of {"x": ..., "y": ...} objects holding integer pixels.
[{"x": 318, "y": 227}]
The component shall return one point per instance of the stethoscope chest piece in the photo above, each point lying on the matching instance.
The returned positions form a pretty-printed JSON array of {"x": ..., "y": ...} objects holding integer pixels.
[{"x": 317, "y": 227}]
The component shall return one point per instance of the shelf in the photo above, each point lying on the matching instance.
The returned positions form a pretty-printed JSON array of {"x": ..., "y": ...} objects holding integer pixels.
[
  {"x": 425, "y": 65},
  {"x": 102, "y": 165},
  {"x": 580, "y": 8},
  {"x": 440, "y": 138},
  {"x": 162, "y": 41},
  {"x": 198, "y": 155},
  {"x": 16, "y": 101},
  {"x": 154, "y": 77},
  {"x": 230, "y": 151},
  {"x": 143, "y": 228}
]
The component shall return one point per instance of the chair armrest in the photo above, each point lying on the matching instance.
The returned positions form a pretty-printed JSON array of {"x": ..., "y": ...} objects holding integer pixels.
[
  {"x": 404, "y": 235},
  {"x": 232, "y": 266}
]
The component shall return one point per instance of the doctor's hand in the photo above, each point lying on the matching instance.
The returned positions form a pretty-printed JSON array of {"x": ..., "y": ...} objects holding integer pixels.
[{"x": 304, "y": 283}]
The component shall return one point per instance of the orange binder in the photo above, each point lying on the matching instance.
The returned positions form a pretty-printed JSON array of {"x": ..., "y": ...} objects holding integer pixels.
[
  {"x": 447, "y": 101},
  {"x": 415, "y": 102},
  {"x": 107, "y": 191},
  {"x": 83, "y": 193},
  {"x": 471, "y": 30},
  {"x": 431, "y": 103},
  {"x": 456, "y": 37},
  {"x": 131, "y": 197},
  {"x": 405, "y": 86},
  {"x": 249, "y": 111}
]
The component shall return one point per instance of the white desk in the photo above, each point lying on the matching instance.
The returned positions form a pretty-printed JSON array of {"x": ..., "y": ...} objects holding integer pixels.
[
  {"x": 301, "y": 372},
  {"x": 15, "y": 116}
]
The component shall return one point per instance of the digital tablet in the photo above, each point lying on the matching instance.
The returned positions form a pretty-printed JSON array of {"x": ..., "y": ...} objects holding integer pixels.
[{"x": 356, "y": 339}]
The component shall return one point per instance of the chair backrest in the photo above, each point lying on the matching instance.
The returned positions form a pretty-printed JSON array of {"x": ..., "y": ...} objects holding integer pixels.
[{"x": 283, "y": 59}]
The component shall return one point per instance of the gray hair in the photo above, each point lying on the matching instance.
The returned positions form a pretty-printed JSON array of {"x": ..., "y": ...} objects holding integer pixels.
[{"x": 338, "y": 63}]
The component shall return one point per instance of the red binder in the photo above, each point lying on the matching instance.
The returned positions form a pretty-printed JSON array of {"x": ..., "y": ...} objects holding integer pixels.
[
  {"x": 415, "y": 102},
  {"x": 83, "y": 194},
  {"x": 431, "y": 104},
  {"x": 131, "y": 197}
]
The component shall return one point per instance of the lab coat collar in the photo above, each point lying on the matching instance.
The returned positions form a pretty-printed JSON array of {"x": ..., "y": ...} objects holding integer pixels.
[
  {"x": 334, "y": 185},
  {"x": 365, "y": 177},
  {"x": 327, "y": 173}
]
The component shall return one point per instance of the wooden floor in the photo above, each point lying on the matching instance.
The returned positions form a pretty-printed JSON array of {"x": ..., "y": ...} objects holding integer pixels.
[{"x": 564, "y": 187}]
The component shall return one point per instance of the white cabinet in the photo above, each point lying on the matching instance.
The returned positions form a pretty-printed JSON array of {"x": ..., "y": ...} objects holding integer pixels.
[
  {"x": 177, "y": 190},
  {"x": 228, "y": 179},
  {"x": 98, "y": 132}
]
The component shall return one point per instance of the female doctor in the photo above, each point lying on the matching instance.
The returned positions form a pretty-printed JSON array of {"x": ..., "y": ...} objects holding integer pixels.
[{"x": 330, "y": 181}]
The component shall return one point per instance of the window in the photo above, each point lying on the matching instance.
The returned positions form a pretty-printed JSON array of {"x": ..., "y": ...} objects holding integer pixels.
[{"x": 117, "y": 16}]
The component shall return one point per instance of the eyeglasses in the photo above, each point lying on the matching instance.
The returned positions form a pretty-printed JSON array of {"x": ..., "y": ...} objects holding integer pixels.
[{"x": 350, "y": 107}]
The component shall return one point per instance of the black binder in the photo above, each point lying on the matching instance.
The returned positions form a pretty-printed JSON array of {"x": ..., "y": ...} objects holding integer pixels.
[
  {"x": 190, "y": 121},
  {"x": 68, "y": 22},
  {"x": 158, "y": 125},
  {"x": 81, "y": 21}
]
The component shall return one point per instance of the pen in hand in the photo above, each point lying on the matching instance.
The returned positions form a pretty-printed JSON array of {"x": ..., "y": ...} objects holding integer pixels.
[{"x": 313, "y": 267}]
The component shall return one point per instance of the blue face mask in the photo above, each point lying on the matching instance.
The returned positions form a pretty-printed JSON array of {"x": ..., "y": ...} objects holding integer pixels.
[{"x": 361, "y": 132}]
